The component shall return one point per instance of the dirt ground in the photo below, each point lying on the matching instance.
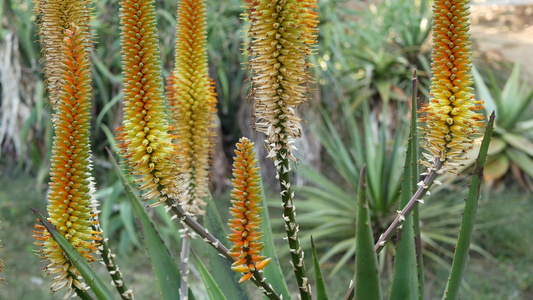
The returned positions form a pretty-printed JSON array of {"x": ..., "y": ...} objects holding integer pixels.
[{"x": 505, "y": 31}]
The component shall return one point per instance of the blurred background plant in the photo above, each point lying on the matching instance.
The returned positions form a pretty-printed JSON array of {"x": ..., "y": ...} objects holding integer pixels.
[
  {"x": 512, "y": 144},
  {"x": 359, "y": 114}
]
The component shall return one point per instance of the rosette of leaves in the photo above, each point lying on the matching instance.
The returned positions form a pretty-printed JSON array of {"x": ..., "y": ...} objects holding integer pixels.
[{"x": 511, "y": 149}]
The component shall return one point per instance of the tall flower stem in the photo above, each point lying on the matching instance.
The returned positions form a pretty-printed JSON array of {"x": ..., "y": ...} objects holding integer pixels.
[
  {"x": 113, "y": 270},
  {"x": 423, "y": 187},
  {"x": 192, "y": 108},
  {"x": 289, "y": 216},
  {"x": 210, "y": 239},
  {"x": 282, "y": 35},
  {"x": 184, "y": 266},
  {"x": 172, "y": 206}
]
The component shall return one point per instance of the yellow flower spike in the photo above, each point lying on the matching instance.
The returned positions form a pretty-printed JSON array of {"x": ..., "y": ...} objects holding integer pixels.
[
  {"x": 246, "y": 199},
  {"x": 449, "y": 118},
  {"x": 144, "y": 137},
  {"x": 72, "y": 203},
  {"x": 283, "y": 34},
  {"x": 192, "y": 104},
  {"x": 55, "y": 17}
]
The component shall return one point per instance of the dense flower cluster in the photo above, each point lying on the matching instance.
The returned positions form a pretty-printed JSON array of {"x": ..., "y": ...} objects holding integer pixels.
[
  {"x": 55, "y": 17},
  {"x": 450, "y": 118},
  {"x": 72, "y": 203},
  {"x": 282, "y": 34},
  {"x": 144, "y": 137},
  {"x": 192, "y": 104},
  {"x": 246, "y": 199}
]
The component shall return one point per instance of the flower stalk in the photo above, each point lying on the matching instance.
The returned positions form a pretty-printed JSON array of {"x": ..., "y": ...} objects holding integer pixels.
[
  {"x": 192, "y": 107},
  {"x": 113, "y": 270},
  {"x": 144, "y": 137},
  {"x": 282, "y": 34}
]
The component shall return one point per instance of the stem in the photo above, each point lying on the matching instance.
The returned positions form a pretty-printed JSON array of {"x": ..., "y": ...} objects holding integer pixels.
[
  {"x": 289, "y": 215},
  {"x": 184, "y": 268},
  {"x": 82, "y": 294},
  {"x": 420, "y": 192},
  {"x": 113, "y": 270},
  {"x": 210, "y": 239},
  {"x": 187, "y": 218}
]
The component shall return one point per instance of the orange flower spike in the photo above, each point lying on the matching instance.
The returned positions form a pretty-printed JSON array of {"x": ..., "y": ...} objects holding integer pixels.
[
  {"x": 283, "y": 34},
  {"x": 246, "y": 199},
  {"x": 192, "y": 103},
  {"x": 144, "y": 139},
  {"x": 450, "y": 118},
  {"x": 72, "y": 204},
  {"x": 55, "y": 17}
]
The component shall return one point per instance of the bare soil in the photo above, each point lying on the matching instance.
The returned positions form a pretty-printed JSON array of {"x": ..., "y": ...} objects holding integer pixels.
[{"x": 504, "y": 31}]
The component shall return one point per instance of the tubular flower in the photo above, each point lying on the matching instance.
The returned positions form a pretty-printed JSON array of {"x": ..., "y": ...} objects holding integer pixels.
[
  {"x": 450, "y": 118},
  {"x": 282, "y": 35},
  {"x": 192, "y": 103},
  {"x": 56, "y": 17},
  {"x": 144, "y": 137},
  {"x": 246, "y": 199},
  {"x": 72, "y": 204}
]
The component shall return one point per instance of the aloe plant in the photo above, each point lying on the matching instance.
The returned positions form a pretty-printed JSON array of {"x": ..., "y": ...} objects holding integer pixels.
[
  {"x": 512, "y": 145},
  {"x": 162, "y": 175}
]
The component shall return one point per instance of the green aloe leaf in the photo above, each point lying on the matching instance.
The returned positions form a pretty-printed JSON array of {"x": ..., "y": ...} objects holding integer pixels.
[
  {"x": 484, "y": 93},
  {"x": 213, "y": 289},
  {"x": 519, "y": 142},
  {"x": 220, "y": 266},
  {"x": 405, "y": 277},
  {"x": 89, "y": 275},
  {"x": 367, "y": 281},
  {"x": 462, "y": 248},
  {"x": 321, "y": 293},
  {"x": 415, "y": 171},
  {"x": 522, "y": 160},
  {"x": 166, "y": 271}
]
